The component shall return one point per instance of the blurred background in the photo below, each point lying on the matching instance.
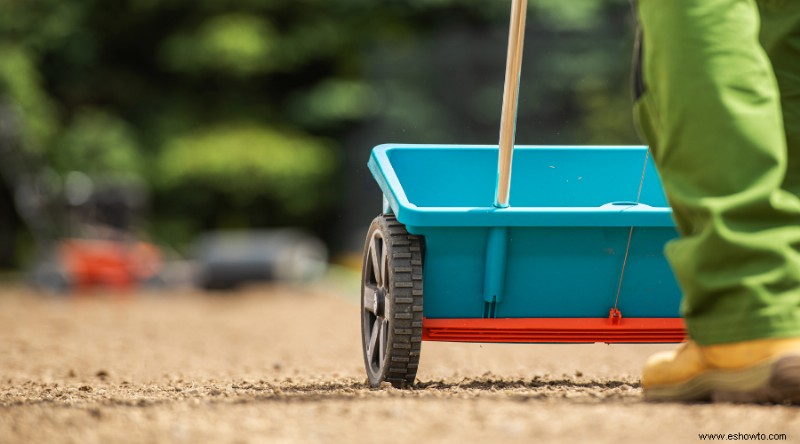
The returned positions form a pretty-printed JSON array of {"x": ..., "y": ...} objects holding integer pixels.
[{"x": 216, "y": 130}]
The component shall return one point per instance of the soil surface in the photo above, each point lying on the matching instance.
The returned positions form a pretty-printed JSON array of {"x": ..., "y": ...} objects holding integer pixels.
[{"x": 280, "y": 364}]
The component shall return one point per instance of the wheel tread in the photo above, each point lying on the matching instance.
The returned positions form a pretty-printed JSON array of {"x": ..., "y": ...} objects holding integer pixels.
[{"x": 406, "y": 289}]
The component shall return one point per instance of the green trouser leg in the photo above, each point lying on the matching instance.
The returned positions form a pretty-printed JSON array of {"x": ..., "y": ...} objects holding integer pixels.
[
  {"x": 780, "y": 37},
  {"x": 712, "y": 114}
]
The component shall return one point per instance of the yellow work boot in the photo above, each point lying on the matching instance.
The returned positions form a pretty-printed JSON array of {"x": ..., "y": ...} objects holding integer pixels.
[{"x": 760, "y": 371}]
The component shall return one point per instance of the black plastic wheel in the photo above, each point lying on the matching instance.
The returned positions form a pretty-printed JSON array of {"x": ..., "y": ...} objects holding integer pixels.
[{"x": 391, "y": 303}]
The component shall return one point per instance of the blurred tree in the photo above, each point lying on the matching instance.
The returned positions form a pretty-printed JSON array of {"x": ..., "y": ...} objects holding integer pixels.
[
  {"x": 243, "y": 161},
  {"x": 262, "y": 112},
  {"x": 21, "y": 81},
  {"x": 98, "y": 144}
]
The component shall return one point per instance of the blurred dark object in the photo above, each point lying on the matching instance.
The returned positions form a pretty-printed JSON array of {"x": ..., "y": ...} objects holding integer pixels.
[
  {"x": 226, "y": 259},
  {"x": 83, "y": 228}
]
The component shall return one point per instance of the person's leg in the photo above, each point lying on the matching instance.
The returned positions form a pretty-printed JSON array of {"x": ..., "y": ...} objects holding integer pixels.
[
  {"x": 712, "y": 115},
  {"x": 780, "y": 37}
]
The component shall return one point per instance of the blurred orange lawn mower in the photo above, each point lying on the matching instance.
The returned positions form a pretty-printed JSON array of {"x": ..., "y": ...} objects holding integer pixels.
[
  {"x": 84, "y": 264},
  {"x": 82, "y": 229}
]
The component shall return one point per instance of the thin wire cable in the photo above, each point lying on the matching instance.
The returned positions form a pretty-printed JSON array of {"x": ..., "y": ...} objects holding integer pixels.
[{"x": 630, "y": 233}]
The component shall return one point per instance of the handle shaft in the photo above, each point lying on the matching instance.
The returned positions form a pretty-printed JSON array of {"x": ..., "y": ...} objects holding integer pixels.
[{"x": 508, "y": 120}]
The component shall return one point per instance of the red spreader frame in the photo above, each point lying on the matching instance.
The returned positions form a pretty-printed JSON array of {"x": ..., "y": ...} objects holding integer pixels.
[{"x": 613, "y": 329}]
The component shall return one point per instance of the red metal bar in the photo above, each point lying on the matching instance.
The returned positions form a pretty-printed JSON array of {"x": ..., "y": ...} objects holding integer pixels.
[{"x": 566, "y": 330}]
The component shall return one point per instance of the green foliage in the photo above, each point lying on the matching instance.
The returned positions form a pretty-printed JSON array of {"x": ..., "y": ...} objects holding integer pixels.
[
  {"x": 335, "y": 101},
  {"x": 100, "y": 145},
  {"x": 245, "y": 160},
  {"x": 238, "y": 44},
  {"x": 571, "y": 15},
  {"x": 40, "y": 25},
  {"x": 20, "y": 82},
  {"x": 257, "y": 112}
]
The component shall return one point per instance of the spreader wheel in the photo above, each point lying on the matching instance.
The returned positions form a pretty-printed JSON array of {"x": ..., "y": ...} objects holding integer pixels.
[{"x": 391, "y": 303}]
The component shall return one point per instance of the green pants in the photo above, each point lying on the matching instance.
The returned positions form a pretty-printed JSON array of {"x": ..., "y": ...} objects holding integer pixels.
[{"x": 720, "y": 108}]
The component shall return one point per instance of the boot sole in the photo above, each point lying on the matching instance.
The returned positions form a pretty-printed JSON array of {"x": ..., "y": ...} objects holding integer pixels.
[{"x": 775, "y": 381}]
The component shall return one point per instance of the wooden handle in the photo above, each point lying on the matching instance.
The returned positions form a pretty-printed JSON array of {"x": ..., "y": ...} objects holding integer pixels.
[{"x": 508, "y": 120}]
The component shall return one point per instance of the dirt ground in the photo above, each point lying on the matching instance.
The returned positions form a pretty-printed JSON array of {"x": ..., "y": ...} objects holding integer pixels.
[{"x": 276, "y": 364}]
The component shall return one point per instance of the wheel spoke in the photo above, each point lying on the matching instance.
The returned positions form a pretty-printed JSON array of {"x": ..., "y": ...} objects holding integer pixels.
[
  {"x": 374, "y": 254},
  {"x": 384, "y": 268},
  {"x": 383, "y": 338},
  {"x": 369, "y": 297},
  {"x": 373, "y": 340}
]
